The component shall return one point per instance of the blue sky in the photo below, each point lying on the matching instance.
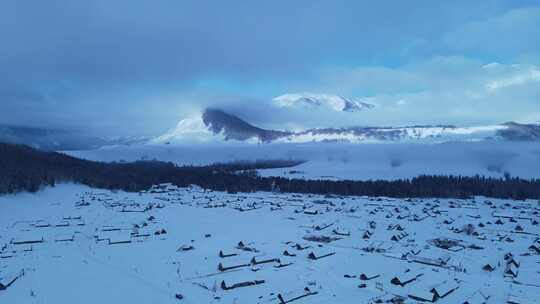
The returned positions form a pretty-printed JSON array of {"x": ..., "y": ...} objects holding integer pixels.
[{"x": 137, "y": 67}]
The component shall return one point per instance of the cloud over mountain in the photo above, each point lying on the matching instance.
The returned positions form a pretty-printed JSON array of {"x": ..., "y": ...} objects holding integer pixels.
[{"x": 134, "y": 67}]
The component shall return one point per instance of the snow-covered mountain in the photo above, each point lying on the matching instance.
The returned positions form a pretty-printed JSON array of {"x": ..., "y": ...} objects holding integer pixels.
[
  {"x": 333, "y": 102},
  {"x": 217, "y": 125}
]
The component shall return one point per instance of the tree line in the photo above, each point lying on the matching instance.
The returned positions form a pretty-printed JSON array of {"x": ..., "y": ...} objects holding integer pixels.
[{"x": 25, "y": 169}]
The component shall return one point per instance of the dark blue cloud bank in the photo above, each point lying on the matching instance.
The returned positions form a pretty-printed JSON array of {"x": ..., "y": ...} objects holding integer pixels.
[{"x": 137, "y": 67}]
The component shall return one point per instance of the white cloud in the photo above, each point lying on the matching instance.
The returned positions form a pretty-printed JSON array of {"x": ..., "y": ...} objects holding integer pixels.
[
  {"x": 401, "y": 102},
  {"x": 453, "y": 90},
  {"x": 510, "y": 33},
  {"x": 521, "y": 76}
]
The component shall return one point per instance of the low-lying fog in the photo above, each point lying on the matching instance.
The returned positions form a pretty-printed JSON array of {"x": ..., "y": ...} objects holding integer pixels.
[{"x": 351, "y": 161}]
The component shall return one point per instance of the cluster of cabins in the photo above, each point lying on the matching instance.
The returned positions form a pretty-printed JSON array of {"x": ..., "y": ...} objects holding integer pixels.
[
  {"x": 407, "y": 251},
  {"x": 27, "y": 238},
  {"x": 394, "y": 229}
]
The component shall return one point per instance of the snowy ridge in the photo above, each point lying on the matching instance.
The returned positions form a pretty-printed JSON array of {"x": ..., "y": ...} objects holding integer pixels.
[
  {"x": 333, "y": 102},
  {"x": 398, "y": 134}
]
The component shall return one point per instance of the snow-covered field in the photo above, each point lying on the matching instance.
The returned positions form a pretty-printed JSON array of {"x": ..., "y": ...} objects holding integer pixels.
[
  {"x": 350, "y": 161},
  {"x": 73, "y": 244}
]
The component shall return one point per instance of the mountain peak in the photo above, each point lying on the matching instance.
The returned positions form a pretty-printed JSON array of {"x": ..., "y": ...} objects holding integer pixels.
[
  {"x": 233, "y": 127},
  {"x": 212, "y": 123},
  {"x": 333, "y": 102}
]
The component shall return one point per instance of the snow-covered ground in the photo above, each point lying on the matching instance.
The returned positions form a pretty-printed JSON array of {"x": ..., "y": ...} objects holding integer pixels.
[
  {"x": 350, "y": 161},
  {"x": 96, "y": 246}
]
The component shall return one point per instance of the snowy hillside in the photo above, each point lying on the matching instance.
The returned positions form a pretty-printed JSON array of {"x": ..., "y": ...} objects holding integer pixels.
[
  {"x": 187, "y": 130},
  {"x": 73, "y": 244}
]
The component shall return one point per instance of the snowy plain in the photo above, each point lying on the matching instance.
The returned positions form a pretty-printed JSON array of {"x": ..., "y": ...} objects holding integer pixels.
[{"x": 74, "y": 244}]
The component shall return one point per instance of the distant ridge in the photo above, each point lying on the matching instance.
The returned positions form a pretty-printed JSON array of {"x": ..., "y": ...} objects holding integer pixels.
[
  {"x": 216, "y": 124},
  {"x": 60, "y": 140},
  {"x": 48, "y": 139}
]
